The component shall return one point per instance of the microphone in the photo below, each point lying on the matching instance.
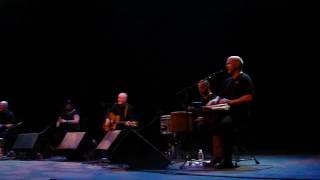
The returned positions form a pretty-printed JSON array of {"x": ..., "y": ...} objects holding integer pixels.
[{"x": 214, "y": 74}]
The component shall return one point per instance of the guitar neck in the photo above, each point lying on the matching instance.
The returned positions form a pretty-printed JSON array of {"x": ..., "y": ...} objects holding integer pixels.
[{"x": 120, "y": 122}]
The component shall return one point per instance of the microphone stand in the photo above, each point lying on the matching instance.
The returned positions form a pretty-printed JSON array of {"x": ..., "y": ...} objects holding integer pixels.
[
  {"x": 186, "y": 89},
  {"x": 212, "y": 75}
]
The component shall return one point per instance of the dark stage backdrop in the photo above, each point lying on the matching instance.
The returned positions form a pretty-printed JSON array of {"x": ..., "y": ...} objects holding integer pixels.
[{"x": 91, "y": 50}]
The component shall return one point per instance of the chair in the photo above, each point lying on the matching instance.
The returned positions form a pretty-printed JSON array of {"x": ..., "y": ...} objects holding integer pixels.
[{"x": 241, "y": 153}]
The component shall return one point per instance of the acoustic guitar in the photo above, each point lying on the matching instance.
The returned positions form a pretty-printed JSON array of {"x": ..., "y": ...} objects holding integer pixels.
[{"x": 113, "y": 120}]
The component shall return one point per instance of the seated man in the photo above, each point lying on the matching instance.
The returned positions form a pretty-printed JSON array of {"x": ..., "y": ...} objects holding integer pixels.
[
  {"x": 120, "y": 115},
  {"x": 7, "y": 121},
  {"x": 238, "y": 92}
]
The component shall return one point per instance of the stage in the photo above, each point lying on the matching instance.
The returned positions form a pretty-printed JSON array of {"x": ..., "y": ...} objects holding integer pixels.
[{"x": 272, "y": 166}]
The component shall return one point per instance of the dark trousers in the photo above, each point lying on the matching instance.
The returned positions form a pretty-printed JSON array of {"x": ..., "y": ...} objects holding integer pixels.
[
  {"x": 7, "y": 140},
  {"x": 201, "y": 136},
  {"x": 225, "y": 130}
]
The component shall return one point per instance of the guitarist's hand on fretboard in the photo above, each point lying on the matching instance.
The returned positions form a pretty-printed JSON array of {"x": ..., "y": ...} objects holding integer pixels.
[{"x": 131, "y": 123}]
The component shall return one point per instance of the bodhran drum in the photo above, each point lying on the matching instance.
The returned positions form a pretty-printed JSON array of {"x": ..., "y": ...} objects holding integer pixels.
[
  {"x": 180, "y": 121},
  {"x": 164, "y": 124}
]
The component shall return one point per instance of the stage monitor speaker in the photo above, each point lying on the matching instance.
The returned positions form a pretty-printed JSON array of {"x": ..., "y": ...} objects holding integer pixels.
[
  {"x": 108, "y": 140},
  {"x": 128, "y": 146},
  {"x": 28, "y": 146},
  {"x": 75, "y": 145},
  {"x": 26, "y": 141},
  {"x": 71, "y": 140}
]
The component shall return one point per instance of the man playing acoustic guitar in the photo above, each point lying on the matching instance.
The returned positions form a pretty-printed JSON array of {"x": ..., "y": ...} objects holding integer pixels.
[{"x": 120, "y": 115}]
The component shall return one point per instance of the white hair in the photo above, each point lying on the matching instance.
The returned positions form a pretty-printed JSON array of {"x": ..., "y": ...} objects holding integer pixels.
[
  {"x": 237, "y": 58},
  {"x": 5, "y": 104},
  {"x": 123, "y": 94}
]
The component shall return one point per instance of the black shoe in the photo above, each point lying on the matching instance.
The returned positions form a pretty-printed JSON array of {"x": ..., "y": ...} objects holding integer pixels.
[
  {"x": 225, "y": 165},
  {"x": 213, "y": 162}
]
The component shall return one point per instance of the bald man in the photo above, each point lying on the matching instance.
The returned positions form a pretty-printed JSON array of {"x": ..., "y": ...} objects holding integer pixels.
[
  {"x": 120, "y": 115},
  {"x": 238, "y": 92},
  {"x": 7, "y": 120}
]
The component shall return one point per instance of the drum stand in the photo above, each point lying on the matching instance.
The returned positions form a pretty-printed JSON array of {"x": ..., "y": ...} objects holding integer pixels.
[
  {"x": 192, "y": 162},
  {"x": 174, "y": 151}
]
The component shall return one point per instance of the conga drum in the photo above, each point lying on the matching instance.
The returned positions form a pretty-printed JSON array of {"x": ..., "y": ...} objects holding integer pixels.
[{"x": 180, "y": 121}]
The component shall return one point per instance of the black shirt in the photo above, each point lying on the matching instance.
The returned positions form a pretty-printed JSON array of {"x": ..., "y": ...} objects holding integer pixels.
[
  {"x": 68, "y": 115},
  {"x": 6, "y": 117},
  {"x": 120, "y": 110},
  {"x": 236, "y": 88}
]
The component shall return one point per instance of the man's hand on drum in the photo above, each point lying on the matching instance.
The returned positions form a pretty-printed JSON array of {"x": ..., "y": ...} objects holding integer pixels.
[
  {"x": 213, "y": 101},
  {"x": 224, "y": 101}
]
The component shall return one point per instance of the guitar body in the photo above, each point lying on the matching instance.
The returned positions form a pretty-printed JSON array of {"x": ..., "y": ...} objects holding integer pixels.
[{"x": 113, "y": 120}]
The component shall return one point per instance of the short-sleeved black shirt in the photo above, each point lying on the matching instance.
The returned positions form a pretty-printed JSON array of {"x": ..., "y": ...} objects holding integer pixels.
[
  {"x": 236, "y": 88},
  {"x": 68, "y": 115},
  {"x": 120, "y": 110},
  {"x": 6, "y": 117}
]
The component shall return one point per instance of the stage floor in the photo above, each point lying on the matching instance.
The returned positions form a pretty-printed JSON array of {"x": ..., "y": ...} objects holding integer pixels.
[{"x": 296, "y": 166}]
